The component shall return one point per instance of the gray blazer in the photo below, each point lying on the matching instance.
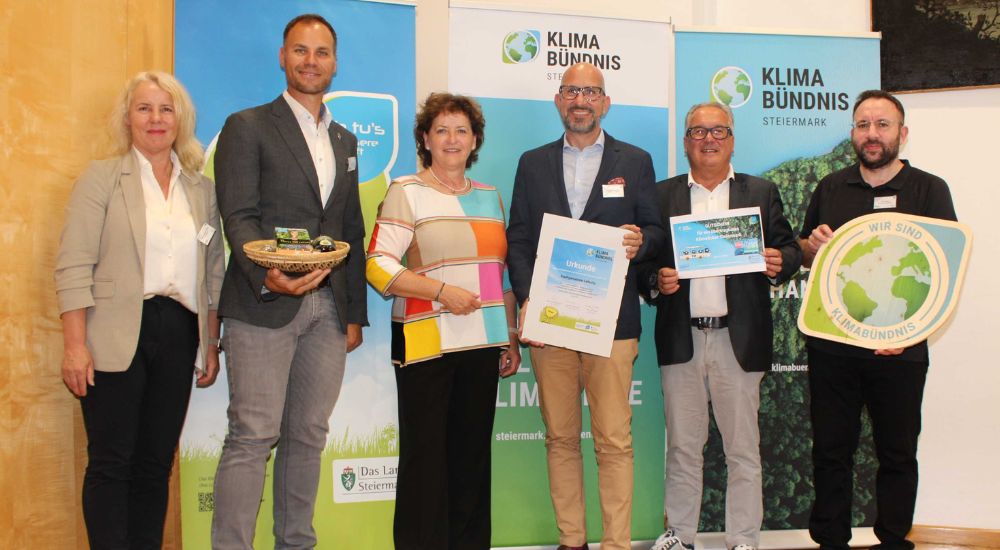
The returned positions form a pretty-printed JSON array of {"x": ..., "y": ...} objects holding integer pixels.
[
  {"x": 265, "y": 178},
  {"x": 101, "y": 257}
]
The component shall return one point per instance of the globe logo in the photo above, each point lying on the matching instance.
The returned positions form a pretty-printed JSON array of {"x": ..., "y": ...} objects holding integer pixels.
[
  {"x": 883, "y": 280},
  {"x": 731, "y": 86},
  {"x": 520, "y": 46}
]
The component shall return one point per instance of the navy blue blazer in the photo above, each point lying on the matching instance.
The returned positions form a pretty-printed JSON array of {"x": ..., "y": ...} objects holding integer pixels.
[
  {"x": 747, "y": 295},
  {"x": 539, "y": 188}
]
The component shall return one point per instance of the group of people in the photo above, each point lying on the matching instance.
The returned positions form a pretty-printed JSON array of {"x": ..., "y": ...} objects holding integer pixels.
[{"x": 142, "y": 289}]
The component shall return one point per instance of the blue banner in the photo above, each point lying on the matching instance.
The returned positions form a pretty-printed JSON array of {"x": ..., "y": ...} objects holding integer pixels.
[
  {"x": 227, "y": 56},
  {"x": 792, "y": 98}
]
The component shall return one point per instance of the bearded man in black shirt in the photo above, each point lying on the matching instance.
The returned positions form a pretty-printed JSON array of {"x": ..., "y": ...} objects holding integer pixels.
[{"x": 845, "y": 378}]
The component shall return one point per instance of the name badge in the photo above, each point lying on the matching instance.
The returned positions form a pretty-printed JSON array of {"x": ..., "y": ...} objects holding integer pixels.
[
  {"x": 885, "y": 202},
  {"x": 352, "y": 164},
  {"x": 205, "y": 234},
  {"x": 613, "y": 191}
]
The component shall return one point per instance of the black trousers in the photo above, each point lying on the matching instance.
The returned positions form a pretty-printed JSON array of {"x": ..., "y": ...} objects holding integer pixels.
[
  {"x": 892, "y": 390},
  {"x": 446, "y": 410},
  {"x": 133, "y": 421}
]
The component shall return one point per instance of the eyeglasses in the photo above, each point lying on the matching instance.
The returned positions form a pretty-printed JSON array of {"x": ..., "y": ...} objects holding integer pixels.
[
  {"x": 700, "y": 132},
  {"x": 881, "y": 125},
  {"x": 590, "y": 93}
]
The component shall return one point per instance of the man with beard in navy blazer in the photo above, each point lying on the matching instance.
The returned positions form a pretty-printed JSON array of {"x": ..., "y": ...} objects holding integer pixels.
[
  {"x": 714, "y": 336},
  {"x": 588, "y": 175},
  {"x": 286, "y": 164}
]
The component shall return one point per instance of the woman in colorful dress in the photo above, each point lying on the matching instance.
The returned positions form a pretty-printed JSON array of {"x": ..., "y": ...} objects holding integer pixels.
[{"x": 439, "y": 247}]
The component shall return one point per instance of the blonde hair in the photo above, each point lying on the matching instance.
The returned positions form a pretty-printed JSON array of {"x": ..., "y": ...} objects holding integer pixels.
[{"x": 187, "y": 146}]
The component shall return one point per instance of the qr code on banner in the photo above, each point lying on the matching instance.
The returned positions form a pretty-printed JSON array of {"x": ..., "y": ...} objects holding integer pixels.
[{"x": 206, "y": 502}]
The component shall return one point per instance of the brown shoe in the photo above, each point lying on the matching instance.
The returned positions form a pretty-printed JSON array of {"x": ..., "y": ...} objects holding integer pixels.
[{"x": 564, "y": 547}]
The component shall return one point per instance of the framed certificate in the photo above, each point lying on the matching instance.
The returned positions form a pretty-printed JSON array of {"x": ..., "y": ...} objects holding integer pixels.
[
  {"x": 577, "y": 285},
  {"x": 718, "y": 243}
]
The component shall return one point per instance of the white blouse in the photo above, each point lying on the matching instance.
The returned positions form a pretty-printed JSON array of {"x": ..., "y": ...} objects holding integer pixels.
[{"x": 171, "y": 267}]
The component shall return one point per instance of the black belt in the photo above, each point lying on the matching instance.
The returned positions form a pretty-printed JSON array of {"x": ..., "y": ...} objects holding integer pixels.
[{"x": 710, "y": 322}]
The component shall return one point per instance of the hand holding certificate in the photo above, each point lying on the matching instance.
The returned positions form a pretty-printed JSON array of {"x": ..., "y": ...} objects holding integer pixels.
[
  {"x": 576, "y": 285},
  {"x": 718, "y": 243}
]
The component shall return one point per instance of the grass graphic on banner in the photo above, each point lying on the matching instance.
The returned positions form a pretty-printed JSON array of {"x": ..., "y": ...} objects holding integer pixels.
[{"x": 201, "y": 462}]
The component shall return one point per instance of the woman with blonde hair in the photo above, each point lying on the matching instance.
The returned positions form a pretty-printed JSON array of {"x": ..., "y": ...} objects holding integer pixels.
[{"x": 138, "y": 274}]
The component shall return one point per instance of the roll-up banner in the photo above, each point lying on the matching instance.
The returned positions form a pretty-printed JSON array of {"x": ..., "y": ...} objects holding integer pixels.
[
  {"x": 792, "y": 98},
  {"x": 227, "y": 57},
  {"x": 512, "y": 62}
]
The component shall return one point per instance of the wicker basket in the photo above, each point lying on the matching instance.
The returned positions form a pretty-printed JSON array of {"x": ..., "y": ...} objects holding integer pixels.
[{"x": 295, "y": 263}]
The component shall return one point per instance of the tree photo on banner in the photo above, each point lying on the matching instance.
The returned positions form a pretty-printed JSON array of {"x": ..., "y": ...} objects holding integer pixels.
[
  {"x": 792, "y": 98},
  {"x": 228, "y": 59},
  {"x": 512, "y": 62}
]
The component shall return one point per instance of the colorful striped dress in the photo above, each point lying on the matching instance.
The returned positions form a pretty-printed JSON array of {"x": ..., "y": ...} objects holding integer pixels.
[{"x": 458, "y": 239}]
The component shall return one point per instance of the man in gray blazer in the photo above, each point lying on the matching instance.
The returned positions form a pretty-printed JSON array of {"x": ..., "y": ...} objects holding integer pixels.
[
  {"x": 286, "y": 164},
  {"x": 713, "y": 335}
]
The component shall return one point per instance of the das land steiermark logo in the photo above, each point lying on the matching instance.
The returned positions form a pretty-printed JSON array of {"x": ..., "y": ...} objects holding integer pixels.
[{"x": 348, "y": 478}]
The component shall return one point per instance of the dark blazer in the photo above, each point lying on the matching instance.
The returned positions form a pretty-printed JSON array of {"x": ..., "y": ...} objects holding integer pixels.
[
  {"x": 747, "y": 294},
  {"x": 539, "y": 189},
  {"x": 265, "y": 178}
]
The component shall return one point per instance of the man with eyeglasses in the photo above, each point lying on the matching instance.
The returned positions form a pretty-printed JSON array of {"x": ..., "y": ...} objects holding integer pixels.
[
  {"x": 844, "y": 378},
  {"x": 714, "y": 336},
  {"x": 588, "y": 175}
]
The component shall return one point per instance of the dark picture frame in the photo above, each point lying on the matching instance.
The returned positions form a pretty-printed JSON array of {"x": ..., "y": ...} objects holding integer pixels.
[{"x": 938, "y": 44}]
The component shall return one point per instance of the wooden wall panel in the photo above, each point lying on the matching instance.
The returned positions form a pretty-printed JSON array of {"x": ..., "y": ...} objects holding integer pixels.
[
  {"x": 61, "y": 64},
  {"x": 150, "y": 35}
]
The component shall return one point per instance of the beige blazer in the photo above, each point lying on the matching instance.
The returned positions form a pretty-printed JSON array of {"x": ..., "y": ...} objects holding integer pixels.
[{"x": 100, "y": 263}]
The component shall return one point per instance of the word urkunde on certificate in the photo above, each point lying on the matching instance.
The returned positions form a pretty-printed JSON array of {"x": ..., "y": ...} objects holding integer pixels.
[{"x": 577, "y": 285}]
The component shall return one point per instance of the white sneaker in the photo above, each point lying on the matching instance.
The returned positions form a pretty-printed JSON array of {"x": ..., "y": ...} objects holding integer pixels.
[
  {"x": 743, "y": 547},
  {"x": 670, "y": 541}
]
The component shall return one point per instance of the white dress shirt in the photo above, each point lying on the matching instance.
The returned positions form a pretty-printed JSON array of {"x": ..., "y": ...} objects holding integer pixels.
[
  {"x": 708, "y": 294},
  {"x": 318, "y": 140},
  {"x": 171, "y": 262}
]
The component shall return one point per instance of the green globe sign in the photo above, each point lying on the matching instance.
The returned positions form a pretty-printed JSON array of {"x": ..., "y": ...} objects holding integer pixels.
[
  {"x": 731, "y": 86},
  {"x": 885, "y": 280},
  {"x": 520, "y": 46}
]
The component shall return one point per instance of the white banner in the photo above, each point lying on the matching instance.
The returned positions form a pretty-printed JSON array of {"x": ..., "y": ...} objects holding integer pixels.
[
  {"x": 513, "y": 62},
  {"x": 523, "y": 55}
]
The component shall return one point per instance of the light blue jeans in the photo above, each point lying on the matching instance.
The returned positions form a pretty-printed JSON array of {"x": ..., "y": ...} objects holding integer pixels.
[{"x": 283, "y": 384}]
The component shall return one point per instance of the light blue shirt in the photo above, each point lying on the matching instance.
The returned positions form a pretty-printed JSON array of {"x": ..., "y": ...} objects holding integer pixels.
[{"x": 579, "y": 172}]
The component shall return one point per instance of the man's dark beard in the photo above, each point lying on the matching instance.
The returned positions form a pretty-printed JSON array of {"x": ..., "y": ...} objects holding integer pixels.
[{"x": 889, "y": 154}]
